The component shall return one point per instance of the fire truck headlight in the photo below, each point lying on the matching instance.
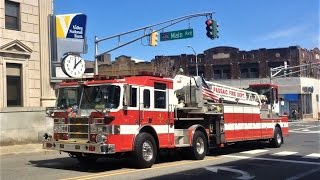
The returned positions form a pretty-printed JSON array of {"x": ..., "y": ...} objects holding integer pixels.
[
  {"x": 60, "y": 128},
  {"x": 50, "y": 112},
  {"x": 105, "y": 111},
  {"x": 100, "y": 138}
]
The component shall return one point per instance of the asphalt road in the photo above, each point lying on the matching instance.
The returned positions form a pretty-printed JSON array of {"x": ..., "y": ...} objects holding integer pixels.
[{"x": 298, "y": 158}]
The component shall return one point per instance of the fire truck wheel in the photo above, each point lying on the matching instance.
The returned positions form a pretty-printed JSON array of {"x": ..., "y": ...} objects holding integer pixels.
[
  {"x": 277, "y": 138},
  {"x": 199, "y": 146},
  {"x": 145, "y": 151}
]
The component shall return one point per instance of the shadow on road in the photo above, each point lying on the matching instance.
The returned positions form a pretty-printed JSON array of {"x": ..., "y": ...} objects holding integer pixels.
[{"x": 108, "y": 164}]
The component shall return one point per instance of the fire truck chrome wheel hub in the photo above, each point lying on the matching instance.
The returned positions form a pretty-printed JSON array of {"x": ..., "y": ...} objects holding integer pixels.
[
  {"x": 200, "y": 146},
  {"x": 279, "y": 139},
  {"x": 147, "y": 151}
]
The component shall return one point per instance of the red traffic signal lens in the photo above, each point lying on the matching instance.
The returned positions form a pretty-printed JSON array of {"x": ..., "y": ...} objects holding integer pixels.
[{"x": 208, "y": 22}]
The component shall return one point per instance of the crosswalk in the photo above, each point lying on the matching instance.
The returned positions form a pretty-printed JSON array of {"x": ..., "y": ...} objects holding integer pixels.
[
  {"x": 282, "y": 153},
  {"x": 304, "y": 128}
]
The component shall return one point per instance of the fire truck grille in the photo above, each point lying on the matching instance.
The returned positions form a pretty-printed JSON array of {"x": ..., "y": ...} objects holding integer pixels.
[
  {"x": 79, "y": 120},
  {"x": 79, "y": 128}
]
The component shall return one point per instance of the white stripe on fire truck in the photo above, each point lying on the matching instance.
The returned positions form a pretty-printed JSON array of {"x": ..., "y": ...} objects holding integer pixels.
[
  {"x": 160, "y": 129},
  {"x": 238, "y": 126},
  {"x": 244, "y": 110},
  {"x": 133, "y": 129}
]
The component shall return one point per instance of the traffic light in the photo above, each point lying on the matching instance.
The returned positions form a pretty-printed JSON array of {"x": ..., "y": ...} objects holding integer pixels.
[
  {"x": 153, "y": 38},
  {"x": 212, "y": 29},
  {"x": 215, "y": 29},
  {"x": 209, "y": 28}
]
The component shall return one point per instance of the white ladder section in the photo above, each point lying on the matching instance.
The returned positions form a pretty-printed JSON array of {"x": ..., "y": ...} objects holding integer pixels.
[{"x": 234, "y": 95}]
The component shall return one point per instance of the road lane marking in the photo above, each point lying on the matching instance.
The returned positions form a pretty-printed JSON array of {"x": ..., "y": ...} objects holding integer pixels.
[
  {"x": 299, "y": 176},
  {"x": 243, "y": 174},
  {"x": 304, "y": 132},
  {"x": 270, "y": 159},
  {"x": 256, "y": 151},
  {"x": 127, "y": 171},
  {"x": 312, "y": 156},
  {"x": 285, "y": 153}
]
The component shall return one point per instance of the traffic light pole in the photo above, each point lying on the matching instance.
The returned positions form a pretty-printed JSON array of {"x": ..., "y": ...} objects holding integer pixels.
[{"x": 172, "y": 22}]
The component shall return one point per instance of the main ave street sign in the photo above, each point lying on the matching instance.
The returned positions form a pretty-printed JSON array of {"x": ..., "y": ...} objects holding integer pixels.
[{"x": 173, "y": 35}]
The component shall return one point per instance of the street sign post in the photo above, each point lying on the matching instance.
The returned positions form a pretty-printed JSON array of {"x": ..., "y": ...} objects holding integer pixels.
[{"x": 174, "y": 35}]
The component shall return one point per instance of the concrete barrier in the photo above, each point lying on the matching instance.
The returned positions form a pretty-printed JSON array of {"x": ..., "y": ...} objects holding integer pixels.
[{"x": 23, "y": 125}]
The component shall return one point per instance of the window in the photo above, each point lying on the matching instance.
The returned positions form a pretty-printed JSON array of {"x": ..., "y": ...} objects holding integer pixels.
[
  {"x": 249, "y": 70},
  {"x": 133, "y": 97},
  {"x": 306, "y": 103},
  {"x": 12, "y": 11},
  {"x": 14, "y": 91},
  {"x": 192, "y": 70},
  {"x": 244, "y": 73},
  {"x": 221, "y": 72},
  {"x": 201, "y": 70},
  {"x": 146, "y": 98},
  {"x": 160, "y": 95},
  {"x": 275, "y": 65},
  {"x": 217, "y": 74}
]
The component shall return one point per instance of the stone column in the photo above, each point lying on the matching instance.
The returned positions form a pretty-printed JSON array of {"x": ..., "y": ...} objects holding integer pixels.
[{"x": 47, "y": 92}]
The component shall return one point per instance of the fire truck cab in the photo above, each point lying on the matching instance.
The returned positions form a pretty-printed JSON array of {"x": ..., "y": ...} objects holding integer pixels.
[{"x": 139, "y": 115}]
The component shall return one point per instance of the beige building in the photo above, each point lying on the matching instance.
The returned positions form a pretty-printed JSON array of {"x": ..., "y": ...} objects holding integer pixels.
[{"x": 25, "y": 88}]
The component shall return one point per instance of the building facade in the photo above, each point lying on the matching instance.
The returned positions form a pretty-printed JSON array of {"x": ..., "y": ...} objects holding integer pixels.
[
  {"x": 124, "y": 66},
  {"x": 25, "y": 88},
  {"x": 299, "y": 88}
]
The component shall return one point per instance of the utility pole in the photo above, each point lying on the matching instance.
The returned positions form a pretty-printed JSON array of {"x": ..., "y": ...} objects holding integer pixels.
[{"x": 197, "y": 72}]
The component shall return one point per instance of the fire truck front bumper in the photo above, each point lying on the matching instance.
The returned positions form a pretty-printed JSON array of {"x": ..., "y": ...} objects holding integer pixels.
[{"x": 92, "y": 148}]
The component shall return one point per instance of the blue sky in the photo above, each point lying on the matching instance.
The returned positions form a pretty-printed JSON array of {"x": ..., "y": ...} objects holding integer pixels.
[{"x": 245, "y": 24}]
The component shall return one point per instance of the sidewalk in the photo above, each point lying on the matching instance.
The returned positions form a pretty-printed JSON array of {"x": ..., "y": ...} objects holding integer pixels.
[{"x": 24, "y": 148}]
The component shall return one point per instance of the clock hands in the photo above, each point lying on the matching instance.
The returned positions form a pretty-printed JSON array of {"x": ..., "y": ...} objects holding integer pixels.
[{"x": 76, "y": 63}]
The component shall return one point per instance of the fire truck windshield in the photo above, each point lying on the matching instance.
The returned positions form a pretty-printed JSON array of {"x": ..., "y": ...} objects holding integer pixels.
[
  {"x": 68, "y": 97},
  {"x": 103, "y": 96}
]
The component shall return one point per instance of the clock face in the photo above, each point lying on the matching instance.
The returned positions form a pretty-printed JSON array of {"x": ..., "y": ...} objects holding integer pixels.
[{"x": 73, "y": 66}]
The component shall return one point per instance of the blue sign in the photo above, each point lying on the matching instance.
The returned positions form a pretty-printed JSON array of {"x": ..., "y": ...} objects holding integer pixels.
[{"x": 71, "y": 26}]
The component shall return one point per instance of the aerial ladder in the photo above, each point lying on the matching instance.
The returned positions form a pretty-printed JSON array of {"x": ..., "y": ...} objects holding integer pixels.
[{"x": 195, "y": 91}]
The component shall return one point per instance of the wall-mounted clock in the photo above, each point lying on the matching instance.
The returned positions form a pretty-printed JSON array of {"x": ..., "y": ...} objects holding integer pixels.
[{"x": 73, "y": 66}]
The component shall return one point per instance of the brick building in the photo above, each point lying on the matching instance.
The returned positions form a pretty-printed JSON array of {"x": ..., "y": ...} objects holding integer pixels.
[
  {"x": 231, "y": 66},
  {"x": 231, "y": 63},
  {"x": 124, "y": 66}
]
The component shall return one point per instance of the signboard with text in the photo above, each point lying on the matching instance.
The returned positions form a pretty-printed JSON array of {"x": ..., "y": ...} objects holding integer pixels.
[
  {"x": 71, "y": 26},
  {"x": 174, "y": 35},
  {"x": 68, "y": 36}
]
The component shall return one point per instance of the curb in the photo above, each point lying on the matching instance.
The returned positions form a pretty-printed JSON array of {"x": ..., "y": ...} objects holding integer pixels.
[{"x": 25, "y": 148}]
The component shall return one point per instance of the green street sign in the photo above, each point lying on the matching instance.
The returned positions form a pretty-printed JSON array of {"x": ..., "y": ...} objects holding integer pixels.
[{"x": 173, "y": 35}]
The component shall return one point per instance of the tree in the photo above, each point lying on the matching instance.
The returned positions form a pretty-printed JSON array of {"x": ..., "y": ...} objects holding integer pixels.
[{"x": 165, "y": 66}]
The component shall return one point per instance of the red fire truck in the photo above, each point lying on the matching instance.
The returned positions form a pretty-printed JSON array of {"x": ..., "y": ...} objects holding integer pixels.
[{"x": 140, "y": 115}]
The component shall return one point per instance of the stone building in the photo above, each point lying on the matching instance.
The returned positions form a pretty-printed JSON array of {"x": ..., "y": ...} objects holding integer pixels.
[{"x": 24, "y": 70}]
